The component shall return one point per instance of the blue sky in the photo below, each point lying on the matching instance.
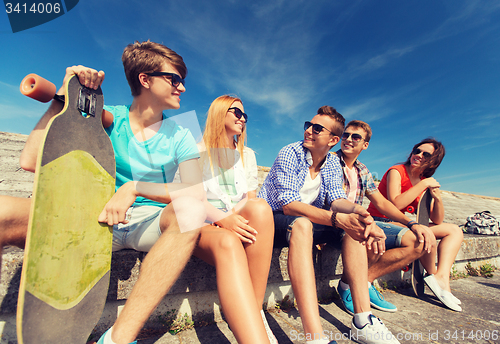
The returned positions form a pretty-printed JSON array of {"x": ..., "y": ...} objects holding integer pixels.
[{"x": 411, "y": 69}]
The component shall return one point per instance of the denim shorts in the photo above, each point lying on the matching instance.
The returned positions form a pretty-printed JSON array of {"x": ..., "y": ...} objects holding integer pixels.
[
  {"x": 393, "y": 232},
  {"x": 321, "y": 234},
  {"x": 327, "y": 234},
  {"x": 142, "y": 230}
]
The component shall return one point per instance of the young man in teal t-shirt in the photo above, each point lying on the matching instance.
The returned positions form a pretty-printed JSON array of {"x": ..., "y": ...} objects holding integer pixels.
[{"x": 148, "y": 211}]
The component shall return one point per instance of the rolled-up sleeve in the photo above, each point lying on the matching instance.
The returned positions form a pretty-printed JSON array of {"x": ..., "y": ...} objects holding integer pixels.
[{"x": 286, "y": 177}]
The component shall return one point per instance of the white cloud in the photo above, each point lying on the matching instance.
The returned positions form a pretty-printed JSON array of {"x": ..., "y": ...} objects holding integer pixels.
[
  {"x": 8, "y": 87},
  {"x": 16, "y": 111},
  {"x": 480, "y": 143},
  {"x": 380, "y": 60},
  {"x": 462, "y": 19},
  {"x": 495, "y": 171},
  {"x": 264, "y": 61},
  {"x": 268, "y": 65},
  {"x": 482, "y": 186},
  {"x": 265, "y": 51},
  {"x": 368, "y": 110},
  {"x": 15, "y": 105}
]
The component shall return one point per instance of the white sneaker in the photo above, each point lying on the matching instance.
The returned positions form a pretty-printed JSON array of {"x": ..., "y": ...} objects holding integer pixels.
[
  {"x": 374, "y": 332},
  {"x": 441, "y": 294},
  {"x": 453, "y": 297},
  {"x": 449, "y": 300}
]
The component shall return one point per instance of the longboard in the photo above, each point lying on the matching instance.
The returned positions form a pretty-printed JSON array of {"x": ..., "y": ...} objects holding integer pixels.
[
  {"x": 66, "y": 269},
  {"x": 417, "y": 270}
]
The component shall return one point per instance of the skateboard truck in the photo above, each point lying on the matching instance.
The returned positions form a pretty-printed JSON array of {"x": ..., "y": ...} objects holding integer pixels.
[
  {"x": 87, "y": 102},
  {"x": 38, "y": 88},
  {"x": 43, "y": 90}
]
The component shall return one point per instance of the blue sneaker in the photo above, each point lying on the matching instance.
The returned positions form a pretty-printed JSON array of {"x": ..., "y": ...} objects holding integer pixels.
[
  {"x": 377, "y": 300},
  {"x": 101, "y": 340},
  {"x": 345, "y": 296}
]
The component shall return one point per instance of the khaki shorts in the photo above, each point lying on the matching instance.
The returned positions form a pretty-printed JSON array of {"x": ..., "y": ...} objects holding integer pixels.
[{"x": 142, "y": 230}]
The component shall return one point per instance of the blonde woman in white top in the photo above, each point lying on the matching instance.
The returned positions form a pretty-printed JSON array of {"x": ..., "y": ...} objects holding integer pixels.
[{"x": 239, "y": 240}]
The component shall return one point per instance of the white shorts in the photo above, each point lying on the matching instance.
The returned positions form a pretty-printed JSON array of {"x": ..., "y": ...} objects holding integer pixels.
[{"x": 142, "y": 230}]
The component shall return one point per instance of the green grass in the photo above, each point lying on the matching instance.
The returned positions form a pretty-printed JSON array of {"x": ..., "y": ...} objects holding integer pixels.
[{"x": 485, "y": 270}]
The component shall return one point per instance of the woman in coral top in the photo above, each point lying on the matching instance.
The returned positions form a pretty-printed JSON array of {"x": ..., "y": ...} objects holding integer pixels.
[{"x": 403, "y": 185}]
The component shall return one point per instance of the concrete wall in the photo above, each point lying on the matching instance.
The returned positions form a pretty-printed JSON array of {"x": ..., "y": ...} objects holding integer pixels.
[{"x": 195, "y": 292}]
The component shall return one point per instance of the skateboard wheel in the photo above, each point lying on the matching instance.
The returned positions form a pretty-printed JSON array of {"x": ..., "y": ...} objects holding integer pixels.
[
  {"x": 38, "y": 88},
  {"x": 410, "y": 209}
]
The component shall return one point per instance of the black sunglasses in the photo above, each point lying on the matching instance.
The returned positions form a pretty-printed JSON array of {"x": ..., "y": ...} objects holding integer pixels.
[
  {"x": 355, "y": 137},
  {"x": 417, "y": 151},
  {"x": 174, "y": 78},
  {"x": 317, "y": 128},
  {"x": 238, "y": 113}
]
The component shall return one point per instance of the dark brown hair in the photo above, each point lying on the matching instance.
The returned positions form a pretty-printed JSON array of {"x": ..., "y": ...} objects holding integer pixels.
[
  {"x": 362, "y": 125},
  {"x": 429, "y": 165}
]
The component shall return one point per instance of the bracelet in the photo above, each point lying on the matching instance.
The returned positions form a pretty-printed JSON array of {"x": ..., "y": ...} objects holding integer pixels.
[
  {"x": 411, "y": 224},
  {"x": 333, "y": 219}
]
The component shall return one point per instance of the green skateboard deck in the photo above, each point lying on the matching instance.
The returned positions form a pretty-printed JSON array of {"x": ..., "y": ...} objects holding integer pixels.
[
  {"x": 417, "y": 270},
  {"x": 66, "y": 269}
]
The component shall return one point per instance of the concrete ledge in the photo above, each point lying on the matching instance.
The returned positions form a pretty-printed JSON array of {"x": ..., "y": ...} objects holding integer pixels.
[
  {"x": 476, "y": 250},
  {"x": 197, "y": 277},
  {"x": 195, "y": 292}
]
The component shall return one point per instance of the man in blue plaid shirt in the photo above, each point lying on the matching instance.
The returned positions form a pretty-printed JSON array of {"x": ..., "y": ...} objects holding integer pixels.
[{"x": 304, "y": 189}]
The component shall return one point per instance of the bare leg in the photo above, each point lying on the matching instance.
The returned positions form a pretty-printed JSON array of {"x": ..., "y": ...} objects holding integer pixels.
[
  {"x": 223, "y": 249},
  {"x": 301, "y": 270},
  {"x": 451, "y": 238},
  {"x": 259, "y": 254},
  {"x": 428, "y": 261},
  {"x": 355, "y": 263},
  {"x": 161, "y": 267},
  {"x": 14, "y": 218},
  {"x": 395, "y": 258}
]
